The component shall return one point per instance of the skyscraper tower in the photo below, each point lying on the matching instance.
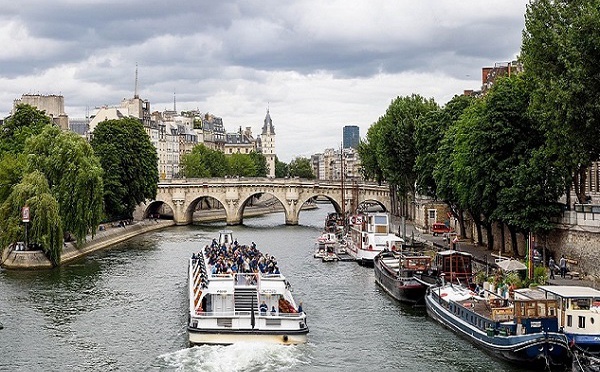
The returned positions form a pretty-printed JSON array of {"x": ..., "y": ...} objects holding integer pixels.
[
  {"x": 267, "y": 138},
  {"x": 351, "y": 136}
]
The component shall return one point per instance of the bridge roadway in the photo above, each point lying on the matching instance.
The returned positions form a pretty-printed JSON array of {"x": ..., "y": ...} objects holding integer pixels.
[{"x": 182, "y": 196}]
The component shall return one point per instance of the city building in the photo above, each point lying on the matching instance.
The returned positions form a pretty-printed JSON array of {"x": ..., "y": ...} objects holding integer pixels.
[
  {"x": 331, "y": 164},
  {"x": 52, "y": 105},
  {"x": 267, "y": 144},
  {"x": 241, "y": 142},
  {"x": 351, "y": 136}
]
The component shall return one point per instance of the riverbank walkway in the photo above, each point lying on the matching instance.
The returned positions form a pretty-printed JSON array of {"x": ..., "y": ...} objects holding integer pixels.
[{"x": 481, "y": 254}]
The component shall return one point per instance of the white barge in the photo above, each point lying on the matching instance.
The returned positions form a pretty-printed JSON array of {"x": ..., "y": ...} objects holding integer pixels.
[{"x": 238, "y": 295}]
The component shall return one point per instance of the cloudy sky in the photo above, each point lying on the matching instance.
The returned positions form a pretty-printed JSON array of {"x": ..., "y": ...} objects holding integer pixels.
[{"x": 317, "y": 65}]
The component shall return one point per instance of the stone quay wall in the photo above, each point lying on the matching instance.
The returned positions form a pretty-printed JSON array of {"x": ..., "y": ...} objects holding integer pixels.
[{"x": 12, "y": 259}]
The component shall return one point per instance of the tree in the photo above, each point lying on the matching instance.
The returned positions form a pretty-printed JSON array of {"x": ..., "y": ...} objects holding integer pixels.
[
  {"x": 26, "y": 122},
  {"x": 260, "y": 163},
  {"x": 281, "y": 169},
  {"x": 370, "y": 169},
  {"x": 300, "y": 167},
  {"x": 130, "y": 165},
  {"x": 429, "y": 133},
  {"x": 241, "y": 165},
  {"x": 45, "y": 226},
  {"x": 204, "y": 162},
  {"x": 11, "y": 172},
  {"x": 560, "y": 51},
  {"x": 74, "y": 175}
]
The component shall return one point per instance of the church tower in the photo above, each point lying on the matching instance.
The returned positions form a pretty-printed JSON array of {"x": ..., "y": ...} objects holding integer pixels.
[{"x": 267, "y": 138}]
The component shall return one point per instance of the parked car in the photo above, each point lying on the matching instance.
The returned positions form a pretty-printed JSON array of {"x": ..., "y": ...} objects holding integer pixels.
[{"x": 440, "y": 228}]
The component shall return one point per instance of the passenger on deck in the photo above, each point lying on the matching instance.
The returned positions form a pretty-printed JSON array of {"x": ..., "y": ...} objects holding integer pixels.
[
  {"x": 300, "y": 308},
  {"x": 263, "y": 308},
  {"x": 273, "y": 311}
]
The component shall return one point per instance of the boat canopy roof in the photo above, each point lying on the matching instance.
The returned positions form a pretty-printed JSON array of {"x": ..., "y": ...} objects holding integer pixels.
[
  {"x": 570, "y": 291},
  {"x": 451, "y": 252}
]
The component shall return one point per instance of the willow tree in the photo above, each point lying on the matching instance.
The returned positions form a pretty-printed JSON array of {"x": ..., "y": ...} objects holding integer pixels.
[
  {"x": 74, "y": 176},
  {"x": 25, "y": 122},
  {"x": 45, "y": 226}
]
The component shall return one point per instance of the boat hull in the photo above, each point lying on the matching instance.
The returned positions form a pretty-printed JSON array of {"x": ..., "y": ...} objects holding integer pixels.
[
  {"x": 211, "y": 337},
  {"x": 531, "y": 350},
  {"x": 405, "y": 290}
]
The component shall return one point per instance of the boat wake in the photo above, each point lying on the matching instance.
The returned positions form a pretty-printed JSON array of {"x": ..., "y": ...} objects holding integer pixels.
[{"x": 236, "y": 357}]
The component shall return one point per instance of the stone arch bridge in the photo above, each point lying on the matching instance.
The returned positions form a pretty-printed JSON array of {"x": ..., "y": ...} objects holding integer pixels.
[{"x": 183, "y": 195}]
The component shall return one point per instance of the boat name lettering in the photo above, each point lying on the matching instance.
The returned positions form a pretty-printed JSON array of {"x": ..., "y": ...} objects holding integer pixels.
[
  {"x": 268, "y": 291},
  {"x": 222, "y": 291},
  {"x": 536, "y": 324}
]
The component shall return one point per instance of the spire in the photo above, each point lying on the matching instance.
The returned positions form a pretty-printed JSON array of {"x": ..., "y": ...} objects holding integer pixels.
[
  {"x": 174, "y": 101},
  {"x": 268, "y": 127},
  {"x": 135, "y": 92}
]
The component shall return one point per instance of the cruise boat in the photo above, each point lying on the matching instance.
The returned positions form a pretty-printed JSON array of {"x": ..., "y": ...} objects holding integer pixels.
[
  {"x": 524, "y": 331},
  {"x": 368, "y": 235},
  {"x": 578, "y": 315},
  {"x": 395, "y": 272},
  {"x": 250, "y": 304}
]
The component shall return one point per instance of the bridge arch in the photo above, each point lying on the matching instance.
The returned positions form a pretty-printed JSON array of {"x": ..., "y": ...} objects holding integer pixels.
[{"x": 183, "y": 195}]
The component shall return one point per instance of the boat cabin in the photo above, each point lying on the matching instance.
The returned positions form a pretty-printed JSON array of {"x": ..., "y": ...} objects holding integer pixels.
[
  {"x": 454, "y": 265},
  {"x": 578, "y": 313}
]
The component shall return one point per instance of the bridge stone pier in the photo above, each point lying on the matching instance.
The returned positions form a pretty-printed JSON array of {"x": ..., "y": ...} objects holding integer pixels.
[{"x": 183, "y": 195}]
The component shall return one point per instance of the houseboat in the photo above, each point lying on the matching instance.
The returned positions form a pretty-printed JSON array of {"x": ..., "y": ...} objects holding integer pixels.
[
  {"x": 578, "y": 315},
  {"x": 368, "y": 235},
  {"x": 238, "y": 294},
  {"x": 524, "y": 331},
  {"x": 395, "y": 272}
]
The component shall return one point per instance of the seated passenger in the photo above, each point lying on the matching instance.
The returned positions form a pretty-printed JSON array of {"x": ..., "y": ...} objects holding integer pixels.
[
  {"x": 263, "y": 308},
  {"x": 273, "y": 311}
]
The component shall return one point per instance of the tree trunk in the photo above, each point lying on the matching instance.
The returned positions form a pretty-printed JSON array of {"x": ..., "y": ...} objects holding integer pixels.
[
  {"x": 502, "y": 239},
  {"x": 490, "y": 236},
  {"x": 513, "y": 241},
  {"x": 477, "y": 221},
  {"x": 461, "y": 223}
]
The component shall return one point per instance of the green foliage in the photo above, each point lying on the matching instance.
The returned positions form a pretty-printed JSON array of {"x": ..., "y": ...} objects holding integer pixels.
[
  {"x": 370, "y": 169},
  {"x": 560, "y": 52},
  {"x": 45, "y": 226},
  {"x": 130, "y": 165},
  {"x": 204, "y": 162},
  {"x": 26, "y": 122},
  {"x": 260, "y": 163},
  {"x": 74, "y": 176},
  {"x": 11, "y": 172},
  {"x": 281, "y": 169},
  {"x": 392, "y": 140},
  {"x": 301, "y": 167},
  {"x": 540, "y": 275},
  {"x": 241, "y": 165}
]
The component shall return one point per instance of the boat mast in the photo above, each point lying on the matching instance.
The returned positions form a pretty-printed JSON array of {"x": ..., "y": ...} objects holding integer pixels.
[{"x": 343, "y": 171}]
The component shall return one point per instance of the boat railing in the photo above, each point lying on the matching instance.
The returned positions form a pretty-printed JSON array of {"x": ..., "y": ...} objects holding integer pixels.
[{"x": 232, "y": 314}]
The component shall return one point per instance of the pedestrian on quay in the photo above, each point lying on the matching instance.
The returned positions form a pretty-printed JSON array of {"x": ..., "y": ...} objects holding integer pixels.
[
  {"x": 552, "y": 267},
  {"x": 563, "y": 266}
]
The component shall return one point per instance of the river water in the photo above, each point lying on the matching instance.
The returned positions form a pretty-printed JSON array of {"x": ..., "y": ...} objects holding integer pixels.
[{"x": 125, "y": 309}]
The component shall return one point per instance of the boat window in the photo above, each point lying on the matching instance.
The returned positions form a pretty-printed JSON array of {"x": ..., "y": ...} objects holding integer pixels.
[
  {"x": 582, "y": 322},
  {"x": 381, "y": 220},
  {"x": 592, "y": 320},
  {"x": 581, "y": 304},
  {"x": 569, "y": 320}
]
